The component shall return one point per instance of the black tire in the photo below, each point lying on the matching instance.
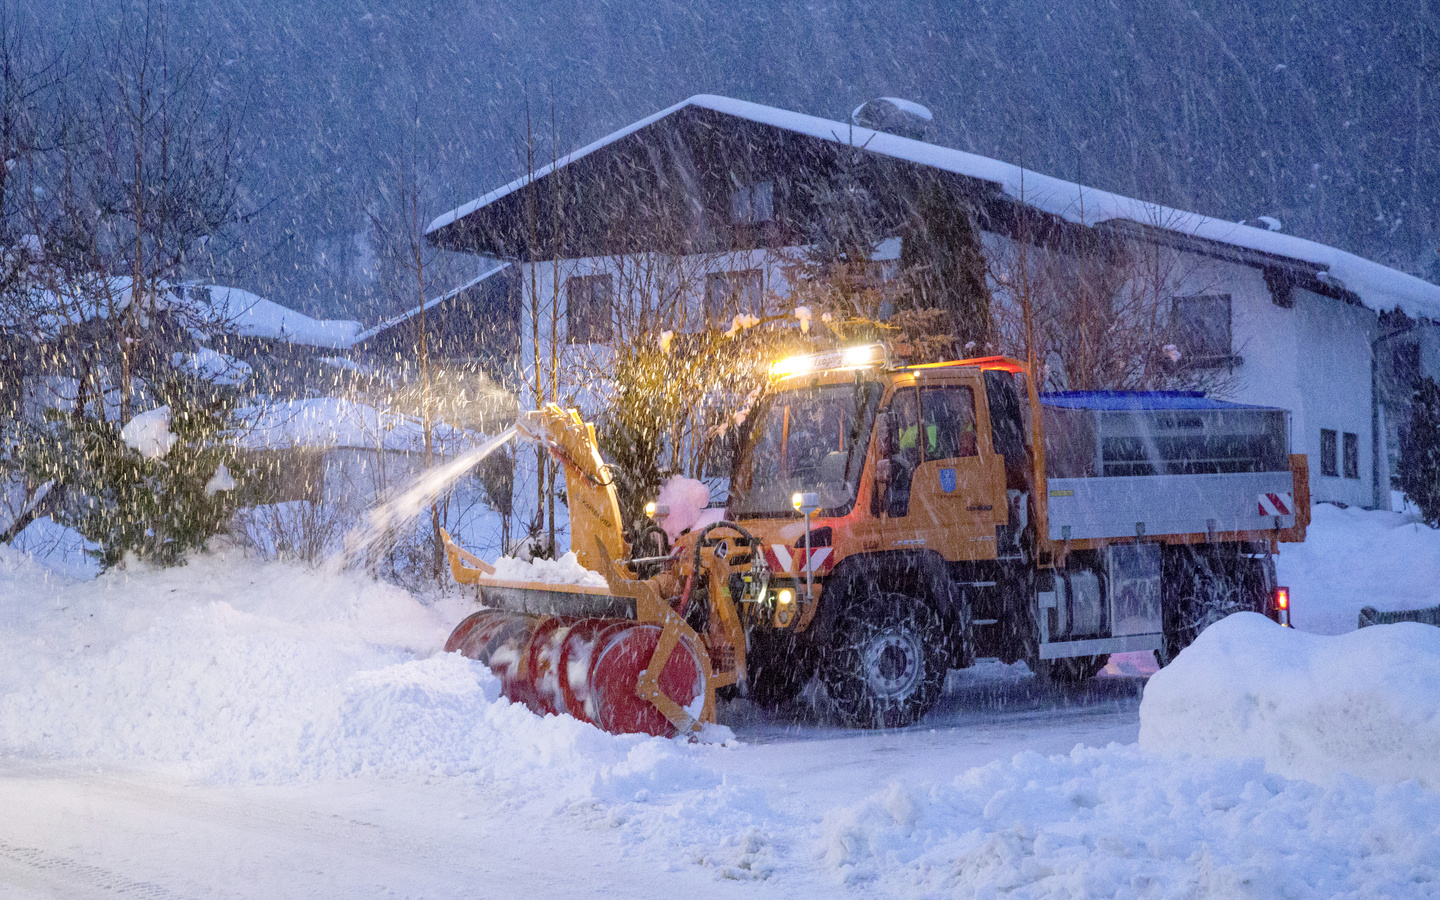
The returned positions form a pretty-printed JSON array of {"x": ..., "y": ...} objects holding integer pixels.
[
  {"x": 1071, "y": 671},
  {"x": 886, "y": 664},
  {"x": 1206, "y": 593},
  {"x": 777, "y": 667}
]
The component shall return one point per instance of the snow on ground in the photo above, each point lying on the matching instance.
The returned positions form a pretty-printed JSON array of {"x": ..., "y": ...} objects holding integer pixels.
[
  {"x": 1354, "y": 558},
  {"x": 245, "y": 728},
  {"x": 149, "y": 433},
  {"x": 1312, "y": 706}
]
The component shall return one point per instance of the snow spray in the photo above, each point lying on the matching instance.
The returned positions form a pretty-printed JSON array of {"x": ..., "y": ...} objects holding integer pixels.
[{"x": 361, "y": 542}]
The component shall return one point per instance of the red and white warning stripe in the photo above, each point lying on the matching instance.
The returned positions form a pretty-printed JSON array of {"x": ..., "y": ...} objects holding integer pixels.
[
  {"x": 785, "y": 559},
  {"x": 1277, "y": 504}
]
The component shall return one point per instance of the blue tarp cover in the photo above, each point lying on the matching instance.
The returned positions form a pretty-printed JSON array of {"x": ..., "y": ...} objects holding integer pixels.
[{"x": 1137, "y": 400}]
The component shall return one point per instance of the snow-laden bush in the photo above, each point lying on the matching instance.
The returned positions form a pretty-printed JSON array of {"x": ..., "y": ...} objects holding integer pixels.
[{"x": 154, "y": 487}]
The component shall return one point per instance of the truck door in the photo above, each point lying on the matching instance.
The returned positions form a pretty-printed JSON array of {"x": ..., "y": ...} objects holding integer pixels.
[{"x": 946, "y": 489}]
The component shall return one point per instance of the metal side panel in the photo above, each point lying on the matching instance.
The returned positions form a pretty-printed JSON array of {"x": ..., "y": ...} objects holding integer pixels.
[
  {"x": 1122, "y": 507},
  {"x": 1099, "y": 646},
  {"x": 556, "y": 602}
]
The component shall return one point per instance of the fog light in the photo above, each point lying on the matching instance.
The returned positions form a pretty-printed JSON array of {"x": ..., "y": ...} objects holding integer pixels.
[{"x": 784, "y": 608}]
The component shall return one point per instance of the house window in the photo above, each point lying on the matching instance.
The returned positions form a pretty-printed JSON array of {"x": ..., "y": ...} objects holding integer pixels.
[
  {"x": 752, "y": 203},
  {"x": 1352, "y": 455},
  {"x": 733, "y": 291},
  {"x": 1200, "y": 329},
  {"x": 1328, "y": 463},
  {"x": 588, "y": 309}
]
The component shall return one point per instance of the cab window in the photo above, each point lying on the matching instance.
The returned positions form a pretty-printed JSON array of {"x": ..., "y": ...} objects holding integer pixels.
[{"x": 948, "y": 417}]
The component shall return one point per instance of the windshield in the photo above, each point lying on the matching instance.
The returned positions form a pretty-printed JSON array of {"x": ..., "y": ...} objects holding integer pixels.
[{"x": 812, "y": 439}]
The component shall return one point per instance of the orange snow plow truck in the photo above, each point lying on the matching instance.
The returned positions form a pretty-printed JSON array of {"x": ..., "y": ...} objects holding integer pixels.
[{"x": 886, "y": 522}]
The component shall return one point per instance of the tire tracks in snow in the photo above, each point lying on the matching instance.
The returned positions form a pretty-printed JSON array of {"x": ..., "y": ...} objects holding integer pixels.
[{"x": 74, "y": 874}]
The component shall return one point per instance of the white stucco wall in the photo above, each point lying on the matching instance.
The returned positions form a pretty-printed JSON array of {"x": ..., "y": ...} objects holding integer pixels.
[
  {"x": 1312, "y": 359},
  {"x": 1334, "y": 368}
]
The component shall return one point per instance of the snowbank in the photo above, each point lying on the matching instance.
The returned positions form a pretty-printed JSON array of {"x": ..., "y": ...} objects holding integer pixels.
[
  {"x": 1353, "y": 558},
  {"x": 564, "y": 570},
  {"x": 236, "y": 671},
  {"x": 1312, "y": 706},
  {"x": 253, "y": 316},
  {"x": 1120, "y": 822},
  {"x": 230, "y": 669},
  {"x": 214, "y": 367}
]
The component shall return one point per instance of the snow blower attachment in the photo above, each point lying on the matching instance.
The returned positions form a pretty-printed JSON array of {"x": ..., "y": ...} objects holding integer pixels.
[{"x": 623, "y": 657}]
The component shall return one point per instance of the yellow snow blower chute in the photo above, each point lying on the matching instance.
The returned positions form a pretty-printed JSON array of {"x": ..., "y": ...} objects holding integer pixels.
[{"x": 624, "y": 658}]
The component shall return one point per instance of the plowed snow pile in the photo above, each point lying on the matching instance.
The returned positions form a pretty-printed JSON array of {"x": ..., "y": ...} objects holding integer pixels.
[
  {"x": 1353, "y": 558},
  {"x": 1120, "y": 822},
  {"x": 1365, "y": 703},
  {"x": 229, "y": 670}
]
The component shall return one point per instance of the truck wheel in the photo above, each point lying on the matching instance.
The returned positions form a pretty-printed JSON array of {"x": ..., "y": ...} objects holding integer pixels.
[
  {"x": 886, "y": 665},
  {"x": 1208, "y": 599},
  {"x": 777, "y": 666}
]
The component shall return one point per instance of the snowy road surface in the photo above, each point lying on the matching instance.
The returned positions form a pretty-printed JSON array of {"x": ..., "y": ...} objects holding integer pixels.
[
  {"x": 78, "y": 830},
  {"x": 237, "y": 729}
]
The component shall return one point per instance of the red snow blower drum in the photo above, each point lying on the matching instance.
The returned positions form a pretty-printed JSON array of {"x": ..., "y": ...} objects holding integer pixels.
[{"x": 588, "y": 668}]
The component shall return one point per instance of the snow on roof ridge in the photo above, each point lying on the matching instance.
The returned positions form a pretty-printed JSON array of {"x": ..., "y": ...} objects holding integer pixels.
[{"x": 1379, "y": 286}]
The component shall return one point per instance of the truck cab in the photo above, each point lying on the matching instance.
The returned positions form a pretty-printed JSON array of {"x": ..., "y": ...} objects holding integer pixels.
[{"x": 932, "y": 542}]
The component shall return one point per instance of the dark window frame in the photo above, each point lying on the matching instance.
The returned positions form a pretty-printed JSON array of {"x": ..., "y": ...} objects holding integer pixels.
[
  {"x": 1329, "y": 452},
  {"x": 1189, "y": 323},
  {"x": 588, "y": 319},
  {"x": 954, "y": 439},
  {"x": 753, "y": 204},
  {"x": 1351, "y": 451}
]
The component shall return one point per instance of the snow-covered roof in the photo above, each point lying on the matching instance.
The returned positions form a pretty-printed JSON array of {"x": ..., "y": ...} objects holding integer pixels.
[
  {"x": 428, "y": 304},
  {"x": 253, "y": 316},
  {"x": 330, "y": 422},
  {"x": 1378, "y": 287},
  {"x": 203, "y": 308}
]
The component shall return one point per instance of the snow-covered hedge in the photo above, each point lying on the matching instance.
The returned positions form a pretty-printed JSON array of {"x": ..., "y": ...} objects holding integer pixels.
[{"x": 1312, "y": 706}]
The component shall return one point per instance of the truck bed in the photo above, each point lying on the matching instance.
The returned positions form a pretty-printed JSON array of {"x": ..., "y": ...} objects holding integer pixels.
[{"x": 1164, "y": 463}]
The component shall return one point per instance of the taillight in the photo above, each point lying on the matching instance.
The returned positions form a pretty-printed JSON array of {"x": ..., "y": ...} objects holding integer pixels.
[{"x": 1282, "y": 606}]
